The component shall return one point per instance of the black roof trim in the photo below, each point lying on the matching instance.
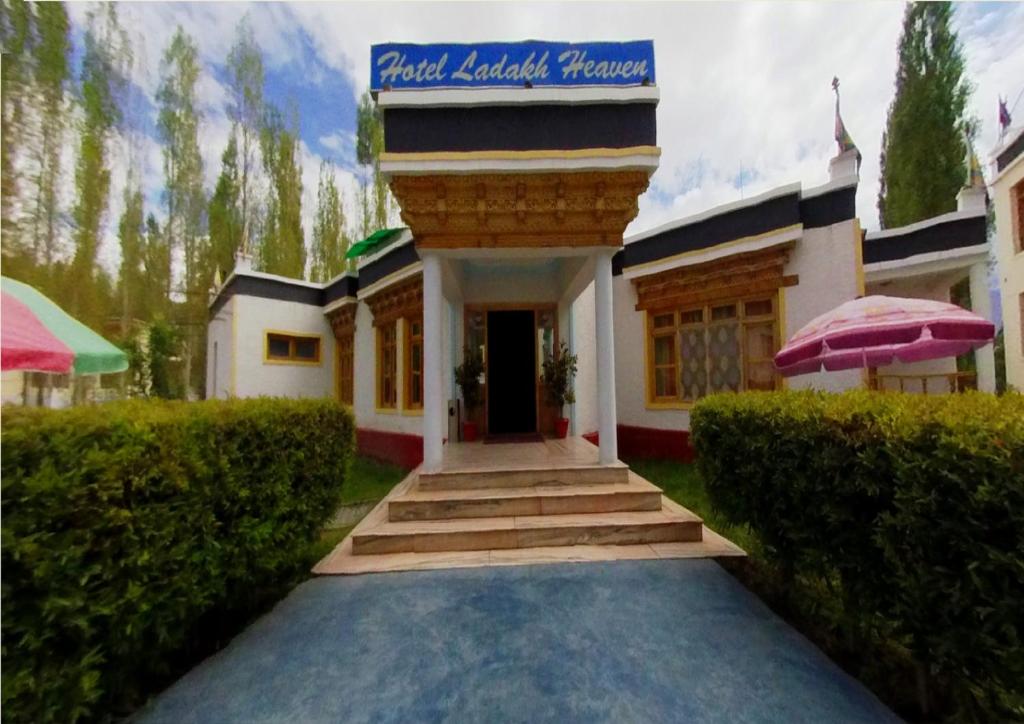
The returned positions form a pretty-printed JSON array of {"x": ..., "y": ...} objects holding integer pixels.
[
  {"x": 346, "y": 286},
  {"x": 955, "y": 234},
  {"x": 281, "y": 289},
  {"x": 555, "y": 127},
  {"x": 774, "y": 213},
  {"x": 829, "y": 208},
  {"x": 395, "y": 260},
  {"x": 1010, "y": 153}
]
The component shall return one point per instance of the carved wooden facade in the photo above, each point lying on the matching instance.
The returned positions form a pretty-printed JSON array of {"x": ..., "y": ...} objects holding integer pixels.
[
  {"x": 519, "y": 210},
  {"x": 343, "y": 320},
  {"x": 733, "y": 277},
  {"x": 404, "y": 299}
]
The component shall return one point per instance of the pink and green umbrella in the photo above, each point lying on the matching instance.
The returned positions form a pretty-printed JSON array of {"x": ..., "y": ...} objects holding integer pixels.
[
  {"x": 876, "y": 331},
  {"x": 38, "y": 335}
]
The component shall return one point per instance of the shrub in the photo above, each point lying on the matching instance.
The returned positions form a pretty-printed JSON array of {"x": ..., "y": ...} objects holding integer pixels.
[
  {"x": 136, "y": 534},
  {"x": 914, "y": 504}
]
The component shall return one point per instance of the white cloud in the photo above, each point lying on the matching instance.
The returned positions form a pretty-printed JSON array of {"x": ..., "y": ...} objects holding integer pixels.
[{"x": 743, "y": 85}]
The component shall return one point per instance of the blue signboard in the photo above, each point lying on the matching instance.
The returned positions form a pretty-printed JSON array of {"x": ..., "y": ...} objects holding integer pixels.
[{"x": 395, "y": 66}]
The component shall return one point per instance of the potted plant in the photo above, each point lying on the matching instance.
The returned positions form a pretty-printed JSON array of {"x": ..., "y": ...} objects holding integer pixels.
[
  {"x": 559, "y": 370},
  {"x": 467, "y": 377}
]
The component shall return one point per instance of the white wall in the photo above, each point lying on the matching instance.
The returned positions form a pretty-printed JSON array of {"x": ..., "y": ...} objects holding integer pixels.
[
  {"x": 218, "y": 365},
  {"x": 506, "y": 284},
  {"x": 630, "y": 399},
  {"x": 1010, "y": 271},
  {"x": 585, "y": 348},
  {"x": 253, "y": 376},
  {"x": 826, "y": 260}
]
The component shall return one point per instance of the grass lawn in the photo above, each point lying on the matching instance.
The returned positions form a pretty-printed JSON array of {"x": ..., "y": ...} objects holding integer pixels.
[
  {"x": 369, "y": 480},
  {"x": 682, "y": 483}
]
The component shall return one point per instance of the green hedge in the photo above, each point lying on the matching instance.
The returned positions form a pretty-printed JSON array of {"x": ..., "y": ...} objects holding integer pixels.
[
  {"x": 913, "y": 505},
  {"x": 138, "y": 535}
]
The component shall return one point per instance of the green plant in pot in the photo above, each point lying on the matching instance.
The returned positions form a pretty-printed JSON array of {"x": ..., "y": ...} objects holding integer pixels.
[
  {"x": 467, "y": 377},
  {"x": 559, "y": 370}
]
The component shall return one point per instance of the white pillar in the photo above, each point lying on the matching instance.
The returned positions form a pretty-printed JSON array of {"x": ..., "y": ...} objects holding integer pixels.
[
  {"x": 606, "y": 424},
  {"x": 981, "y": 304},
  {"x": 434, "y": 408}
]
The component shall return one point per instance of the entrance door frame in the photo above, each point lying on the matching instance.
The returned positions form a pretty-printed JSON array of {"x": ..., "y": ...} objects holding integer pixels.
[{"x": 536, "y": 308}]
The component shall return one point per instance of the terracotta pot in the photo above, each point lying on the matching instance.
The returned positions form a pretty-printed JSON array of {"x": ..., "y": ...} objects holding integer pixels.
[
  {"x": 468, "y": 431},
  {"x": 561, "y": 427}
]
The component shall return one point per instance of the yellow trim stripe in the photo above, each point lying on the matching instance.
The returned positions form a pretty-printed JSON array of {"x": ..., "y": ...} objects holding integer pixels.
[
  {"x": 723, "y": 245},
  {"x": 859, "y": 255},
  {"x": 521, "y": 155}
]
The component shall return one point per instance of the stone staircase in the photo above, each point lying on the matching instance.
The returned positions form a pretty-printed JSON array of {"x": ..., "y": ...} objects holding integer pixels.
[{"x": 479, "y": 510}]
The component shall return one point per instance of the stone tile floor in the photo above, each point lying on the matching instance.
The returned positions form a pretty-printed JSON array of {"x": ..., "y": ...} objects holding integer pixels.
[{"x": 619, "y": 641}]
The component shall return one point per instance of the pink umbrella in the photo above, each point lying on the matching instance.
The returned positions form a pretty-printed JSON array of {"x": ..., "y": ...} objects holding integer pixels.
[
  {"x": 874, "y": 331},
  {"x": 28, "y": 345}
]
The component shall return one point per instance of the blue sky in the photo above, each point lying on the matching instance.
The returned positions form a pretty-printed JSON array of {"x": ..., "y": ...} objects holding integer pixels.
[{"x": 746, "y": 103}]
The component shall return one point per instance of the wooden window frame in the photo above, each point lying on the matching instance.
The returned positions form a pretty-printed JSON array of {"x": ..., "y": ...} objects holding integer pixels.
[
  {"x": 653, "y": 334},
  {"x": 677, "y": 401},
  {"x": 409, "y": 341},
  {"x": 382, "y": 332},
  {"x": 292, "y": 358},
  {"x": 345, "y": 349}
]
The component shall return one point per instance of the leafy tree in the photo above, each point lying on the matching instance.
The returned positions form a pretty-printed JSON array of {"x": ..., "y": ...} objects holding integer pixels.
[
  {"x": 106, "y": 57},
  {"x": 245, "y": 109},
  {"x": 922, "y": 160},
  {"x": 330, "y": 240},
  {"x": 283, "y": 249},
  {"x": 224, "y": 212},
  {"x": 178, "y": 125}
]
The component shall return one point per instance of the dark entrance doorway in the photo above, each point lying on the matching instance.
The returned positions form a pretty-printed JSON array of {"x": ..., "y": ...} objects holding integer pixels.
[{"x": 511, "y": 373}]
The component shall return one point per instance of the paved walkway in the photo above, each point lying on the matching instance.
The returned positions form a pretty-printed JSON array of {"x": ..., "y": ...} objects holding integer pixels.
[{"x": 626, "y": 641}]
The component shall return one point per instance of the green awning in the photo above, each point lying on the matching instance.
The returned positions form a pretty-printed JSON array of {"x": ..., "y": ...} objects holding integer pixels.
[
  {"x": 93, "y": 354},
  {"x": 373, "y": 242}
]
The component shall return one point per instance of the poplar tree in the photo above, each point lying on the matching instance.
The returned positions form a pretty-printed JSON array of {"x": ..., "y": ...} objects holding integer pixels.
[
  {"x": 17, "y": 40},
  {"x": 224, "y": 214},
  {"x": 178, "y": 126},
  {"x": 374, "y": 198},
  {"x": 245, "y": 109},
  {"x": 130, "y": 233},
  {"x": 156, "y": 265},
  {"x": 922, "y": 159},
  {"x": 106, "y": 57},
  {"x": 283, "y": 249},
  {"x": 52, "y": 71},
  {"x": 330, "y": 241}
]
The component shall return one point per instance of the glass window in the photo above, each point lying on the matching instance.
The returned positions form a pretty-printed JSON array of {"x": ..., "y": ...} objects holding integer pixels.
[
  {"x": 714, "y": 348},
  {"x": 387, "y": 366},
  {"x": 414, "y": 364},
  {"x": 292, "y": 348}
]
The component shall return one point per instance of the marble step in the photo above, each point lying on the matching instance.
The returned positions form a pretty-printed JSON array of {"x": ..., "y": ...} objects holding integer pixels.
[
  {"x": 417, "y": 504},
  {"x": 519, "y": 477},
  {"x": 469, "y": 534}
]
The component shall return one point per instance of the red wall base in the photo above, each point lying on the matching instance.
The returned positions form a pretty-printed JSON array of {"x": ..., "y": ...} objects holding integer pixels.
[
  {"x": 398, "y": 448},
  {"x": 649, "y": 442}
]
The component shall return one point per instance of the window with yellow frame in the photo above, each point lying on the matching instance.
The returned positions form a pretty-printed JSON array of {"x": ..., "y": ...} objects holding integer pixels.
[
  {"x": 289, "y": 348},
  {"x": 387, "y": 366},
  {"x": 414, "y": 363},
  {"x": 721, "y": 346}
]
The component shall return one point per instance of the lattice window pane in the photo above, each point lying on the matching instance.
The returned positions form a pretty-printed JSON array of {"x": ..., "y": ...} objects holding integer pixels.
[
  {"x": 693, "y": 348},
  {"x": 724, "y": 357}
]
